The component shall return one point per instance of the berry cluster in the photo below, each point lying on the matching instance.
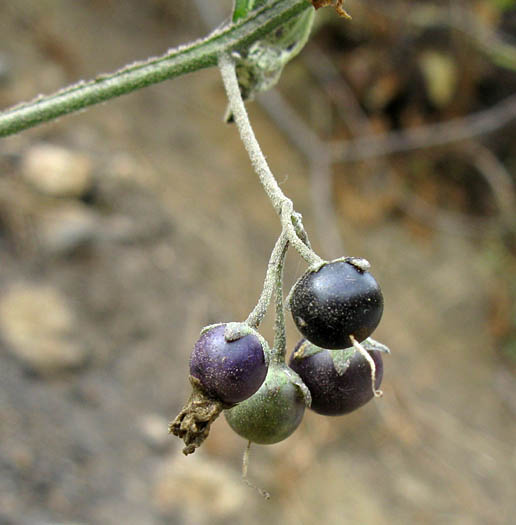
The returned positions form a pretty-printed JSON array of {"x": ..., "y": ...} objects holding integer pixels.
[{"x": 336, "y": 306}]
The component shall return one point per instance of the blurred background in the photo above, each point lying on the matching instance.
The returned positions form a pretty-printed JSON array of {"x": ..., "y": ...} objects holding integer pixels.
[{"x": 128, "y": 227}]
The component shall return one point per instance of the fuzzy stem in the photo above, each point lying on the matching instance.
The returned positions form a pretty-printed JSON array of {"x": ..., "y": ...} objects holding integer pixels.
[
  {"x": 301, "y": 247},
  {"x": 256, "y": 316},
  {"x": 229, "y": 77},
  {"x": 280, "y": 338},
  {"x": 177, "y": 61},
  {"x": 259, "y": 163}
]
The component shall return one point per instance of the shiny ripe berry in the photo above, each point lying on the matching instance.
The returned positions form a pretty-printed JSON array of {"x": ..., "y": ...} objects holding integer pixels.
[
  {"x": 275, "y": 411},
  {"x": 229, "y": 371},
  {"x": 339, "y": 380},
  {"x": 336, "y": 301}
]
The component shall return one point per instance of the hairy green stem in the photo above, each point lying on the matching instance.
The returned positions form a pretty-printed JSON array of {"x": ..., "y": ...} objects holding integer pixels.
[
  {"x": 257, "y": 158},
  {"x": 280, "y": 337},
  {"x": 301, "y": 247},
  {"x": 259, "y": 311},
  {"x": 291, "y": 221},
  {"x": 178, "y": 61}
]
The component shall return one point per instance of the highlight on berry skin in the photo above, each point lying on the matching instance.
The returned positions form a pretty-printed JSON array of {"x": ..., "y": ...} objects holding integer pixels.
[
  {"x": 339, "y": 300},
  {"x": 230, "y": 371}
]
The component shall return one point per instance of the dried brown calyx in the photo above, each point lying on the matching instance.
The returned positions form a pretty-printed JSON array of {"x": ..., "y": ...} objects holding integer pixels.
[
  {"x": 193, "y": 423},
  {"x": 337, "y": 4}
]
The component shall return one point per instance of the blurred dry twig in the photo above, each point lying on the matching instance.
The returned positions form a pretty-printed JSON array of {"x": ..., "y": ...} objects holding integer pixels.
[
  {"x": 359, "y": 149},
  {"x": 493, "y": 43},
  {"x": 439, "y": 134},
  {"x": 498, "y": 178}
]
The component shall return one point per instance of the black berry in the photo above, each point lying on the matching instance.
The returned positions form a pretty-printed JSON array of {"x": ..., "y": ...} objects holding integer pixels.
[
  {"x": 338, "y": 300},
  {"x": 339, "y": 380}
]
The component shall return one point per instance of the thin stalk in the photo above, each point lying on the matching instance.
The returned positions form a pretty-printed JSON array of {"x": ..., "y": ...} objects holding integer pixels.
[
  {"x": 279, "y": 201},
  {"x": 301, "y": 247},
  {"x": 271, "y": 187},
  {"x": 256, "y": 316},
  {"x": 280, "y": 336},
  {"x": 177, "y": 61}
]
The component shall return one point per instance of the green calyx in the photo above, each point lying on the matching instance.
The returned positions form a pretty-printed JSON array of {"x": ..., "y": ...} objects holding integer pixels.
[
  {"x": 275, "y": 411},
  {"x": 259, "y": 67},
  {"x": 341, "y": 358}
]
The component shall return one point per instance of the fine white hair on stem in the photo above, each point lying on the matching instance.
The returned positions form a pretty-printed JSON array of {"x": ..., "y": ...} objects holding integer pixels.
[
  {"x": 229, "y": 77},
  {"x": 256, "y": 316},
  {"x": 291, "y": 221},
  {"x": 286, "y": 220}
]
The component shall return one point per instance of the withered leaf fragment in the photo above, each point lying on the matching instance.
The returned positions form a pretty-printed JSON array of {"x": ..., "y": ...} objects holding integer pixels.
[{"x": 337, "y": 4}]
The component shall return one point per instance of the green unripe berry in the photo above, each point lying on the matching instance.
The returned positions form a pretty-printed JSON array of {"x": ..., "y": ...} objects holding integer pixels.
[{"x": 274, "y": 411}]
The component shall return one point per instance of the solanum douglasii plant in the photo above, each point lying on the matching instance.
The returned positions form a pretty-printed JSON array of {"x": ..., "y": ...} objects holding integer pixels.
[
  {"x": 336, "y": 367},
  {"x": 336, "y": 305}
]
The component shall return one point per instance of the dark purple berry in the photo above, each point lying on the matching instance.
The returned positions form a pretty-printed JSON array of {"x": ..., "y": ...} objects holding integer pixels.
[
  {"x": 336, "y": 301},
  {"x": 275, "y": 411},
  {"x": 339, "y": 380},
  {"x": 229, "y": 371}
]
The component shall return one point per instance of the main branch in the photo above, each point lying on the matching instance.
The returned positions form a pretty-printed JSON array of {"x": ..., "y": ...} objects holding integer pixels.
[{"x": 178, "y": 61}]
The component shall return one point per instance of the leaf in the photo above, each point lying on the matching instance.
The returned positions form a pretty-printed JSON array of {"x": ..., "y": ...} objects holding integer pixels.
[
  {"x": 259, "y": 67},
  {"x": 242, "y": 7}
]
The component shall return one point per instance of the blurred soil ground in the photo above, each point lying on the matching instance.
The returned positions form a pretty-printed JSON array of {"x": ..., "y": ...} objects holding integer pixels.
[{"x": 161, "y": 228}]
